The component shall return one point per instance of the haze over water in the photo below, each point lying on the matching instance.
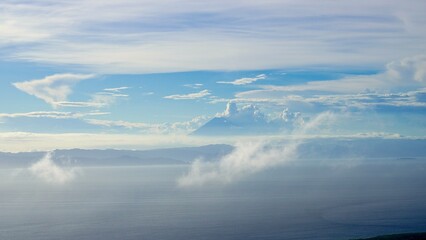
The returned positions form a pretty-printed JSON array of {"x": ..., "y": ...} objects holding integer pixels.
[
  {"x": 303, "y": 200},
  {"x": 212, "y": 120}
]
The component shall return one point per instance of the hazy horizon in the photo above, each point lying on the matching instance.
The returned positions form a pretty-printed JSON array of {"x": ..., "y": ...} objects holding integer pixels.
[{"x": 280, "y": 119}]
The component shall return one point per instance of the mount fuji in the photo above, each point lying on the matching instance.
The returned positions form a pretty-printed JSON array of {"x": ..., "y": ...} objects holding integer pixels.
[{"x": 248, "y": 120}]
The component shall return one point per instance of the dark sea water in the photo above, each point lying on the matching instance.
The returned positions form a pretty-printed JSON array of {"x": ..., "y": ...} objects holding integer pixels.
[{"x": 305, "y": 200}]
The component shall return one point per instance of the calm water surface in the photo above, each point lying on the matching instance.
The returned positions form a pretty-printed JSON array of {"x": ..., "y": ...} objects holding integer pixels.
[{"x": 298, "y": 201}]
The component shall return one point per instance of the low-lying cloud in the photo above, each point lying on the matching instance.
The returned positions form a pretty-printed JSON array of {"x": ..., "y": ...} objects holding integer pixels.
[
  {"x": 250, "y": 157},
  {"x": 48, "y": 171}
]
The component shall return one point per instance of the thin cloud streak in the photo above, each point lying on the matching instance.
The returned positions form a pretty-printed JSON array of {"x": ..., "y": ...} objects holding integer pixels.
[
  {"x": 116, "y": 90},
  {"x": 244, "y": 81},
  {"x": 189, "y": 96},
  {"x": 51, "y": 114}
]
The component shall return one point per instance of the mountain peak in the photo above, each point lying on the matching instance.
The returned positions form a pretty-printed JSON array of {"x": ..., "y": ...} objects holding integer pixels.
[{"x": 247, "y": 120}]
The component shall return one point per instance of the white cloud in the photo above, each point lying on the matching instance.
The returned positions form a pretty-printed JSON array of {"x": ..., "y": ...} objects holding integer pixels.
[
  {"x": 51, "y": 114},
  {"x": 197, "y": 95},
  {"x": 346, "y": 85},
  {"x": 98, "y": 100},
  {"x": 412, "y": 69},
  {"x": 84, "y": 119},
  {"x": 361, "y": 101},
  {"x": 47, "y": 170},
  {"x": 15, "y": 31},
  {"x": 384, "y": 135},
  {"x": 407, "y": 72},
  {"x": 401, "y": 84},
  {"x": 103, "y": 99},
  {"x": 249, "y": 113},
  {"x": 195, "y": 85},
  {"x": 81, "y": 104},
  {"x": 248, "y": 158},
  {"x": 52, "y": 89},
  {"x": 186, "y": 127},
  {"x": 231, "y": 109},
  {"x": 103, "y": 35},
  {"x": 294, "y": 118},
  {"x": 244, "y": 81},
  {"x": 55, "y": 90},
  {"x": 115, "y": 90},
  {"x": 250, "y": 120}
]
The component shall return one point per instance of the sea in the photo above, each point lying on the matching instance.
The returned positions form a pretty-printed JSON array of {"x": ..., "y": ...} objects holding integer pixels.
[{"x": 316, "y": 199}]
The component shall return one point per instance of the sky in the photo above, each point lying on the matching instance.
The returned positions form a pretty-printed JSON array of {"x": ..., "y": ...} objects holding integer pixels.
[{"x": 140, "y": 74}]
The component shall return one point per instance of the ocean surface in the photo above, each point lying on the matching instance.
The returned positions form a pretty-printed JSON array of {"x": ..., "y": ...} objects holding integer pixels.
[{"x": 304, "y": 200}]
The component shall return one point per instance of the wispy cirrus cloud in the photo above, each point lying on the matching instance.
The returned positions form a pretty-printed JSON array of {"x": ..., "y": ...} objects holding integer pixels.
[
  {"x": 92, "y": 104},
  {"x": 195, "y": 85},
  {"x": 142, "y": 127},
  {"x": 104, "y": 99},
  {"x": 55, "y": 90},
  {"x": 58, "y": 121},
  {"x": 182, "y": 127},
  {"x": 138, "y": 36},
  {"x": 189, "y": 96},
  {"x": 408, "y": 72},
  {"x": 401, "y": 101},
  {"x": 51, "y": 114},
  {"x": 244, "y": 81},
  {"x": 400, "y": 86},
  {"x": 52, "y": 89},
  {"x": 116, "y": 89}
]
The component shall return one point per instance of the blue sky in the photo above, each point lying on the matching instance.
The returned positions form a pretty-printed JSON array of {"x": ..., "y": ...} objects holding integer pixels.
[{"x": 145, "y": 70}]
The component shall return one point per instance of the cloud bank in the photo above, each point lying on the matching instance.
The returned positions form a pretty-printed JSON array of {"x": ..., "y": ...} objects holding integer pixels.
[
  {"x": 48, "y": 171},
  {"x": 131, "y": 36},
  {"x": 249, "y": 157}
]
